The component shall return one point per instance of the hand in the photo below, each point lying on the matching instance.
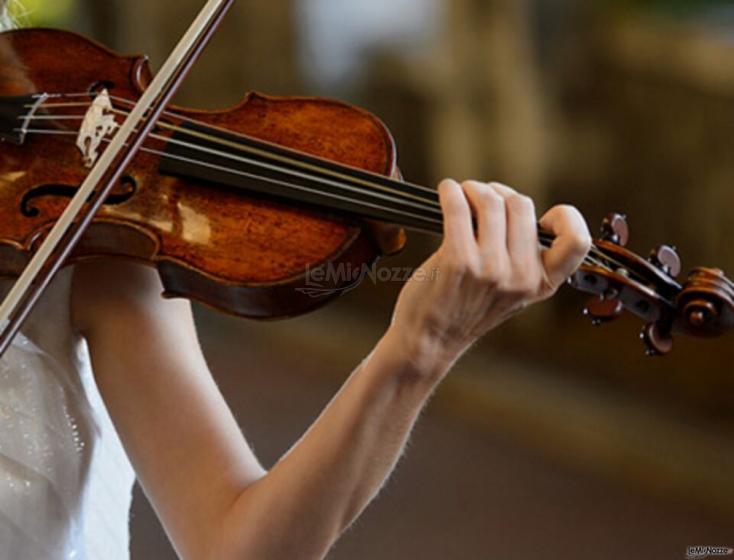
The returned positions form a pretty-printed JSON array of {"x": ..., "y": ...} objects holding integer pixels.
[{"x": 474, "y": 282}]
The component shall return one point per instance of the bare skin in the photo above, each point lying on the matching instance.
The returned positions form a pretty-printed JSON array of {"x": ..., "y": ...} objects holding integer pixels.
[{"x": 215, "y": 499}]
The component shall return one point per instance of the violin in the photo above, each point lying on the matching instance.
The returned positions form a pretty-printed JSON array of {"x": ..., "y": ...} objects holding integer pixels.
[{"x": 241, "y": 209}]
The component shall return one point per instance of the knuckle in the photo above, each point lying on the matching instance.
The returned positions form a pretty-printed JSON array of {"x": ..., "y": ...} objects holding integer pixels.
[
  {"x": 474, "y": 270},
  {"x": 521, "y": 203},
  {"x": 471, "y": 184},
  {"x": 491, "y": 198},
  {"x": 492, "y": 274},
  {"x": 490, "y": 204},
  {"x": 483, "y": 192}
]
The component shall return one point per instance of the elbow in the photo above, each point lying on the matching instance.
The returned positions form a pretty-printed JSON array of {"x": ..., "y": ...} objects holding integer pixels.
[{"x": 260, "y": 523}]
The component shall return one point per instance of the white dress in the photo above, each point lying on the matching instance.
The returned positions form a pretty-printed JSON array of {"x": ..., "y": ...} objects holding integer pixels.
[{"x": 65, "y": 481}]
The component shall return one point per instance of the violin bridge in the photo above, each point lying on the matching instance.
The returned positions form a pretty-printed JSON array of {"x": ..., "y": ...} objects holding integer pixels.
[{"x": 98, "y": 123}]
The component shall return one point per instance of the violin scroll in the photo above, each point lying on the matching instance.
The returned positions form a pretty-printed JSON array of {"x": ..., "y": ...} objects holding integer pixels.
[
  {"x": 621, "y": 280},
  {"x": 706, "y": 304}
]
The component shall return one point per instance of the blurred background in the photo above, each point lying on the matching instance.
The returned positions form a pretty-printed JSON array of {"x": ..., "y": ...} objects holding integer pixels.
[{"x": 552, "y": 439}]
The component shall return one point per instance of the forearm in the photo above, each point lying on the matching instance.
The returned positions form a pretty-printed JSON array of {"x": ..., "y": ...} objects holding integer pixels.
[
  {"x": 205, "y": 482},
  {"x": 324, "y": 482}
]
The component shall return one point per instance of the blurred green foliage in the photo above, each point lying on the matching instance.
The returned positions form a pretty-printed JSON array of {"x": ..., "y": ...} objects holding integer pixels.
[{"x": 43, "y": 13}]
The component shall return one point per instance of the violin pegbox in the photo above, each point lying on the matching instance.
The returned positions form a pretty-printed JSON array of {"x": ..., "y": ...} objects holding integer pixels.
[{"x": 621, "y": 280}]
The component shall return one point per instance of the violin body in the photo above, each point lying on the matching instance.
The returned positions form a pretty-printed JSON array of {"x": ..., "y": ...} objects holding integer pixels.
[{"x": 232, "y": 250}]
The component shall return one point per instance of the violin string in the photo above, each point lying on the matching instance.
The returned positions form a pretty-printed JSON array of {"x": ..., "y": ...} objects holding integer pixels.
[
  {"x": 432, "y": 195},
  {"x": 594, "y": 257},
  {"x": 50, "y": 131},
  {"x": 435, "y": 211},
  {"x": 217, "y": 140},
  {"x": 291, "y": 161},
  {"x": 52, "y": 117},
  {"x": 165, "y": 139},
  {"x": 545, "y": 240},
  {"x": 430, "y": 192},
  {"x": 294, "y": 173},
  {"x": 395, "y": 198},
  {"x": 193, "y": 146},
  {"x": 301, "y": 188},
  {"x": 433, "y": 201}
]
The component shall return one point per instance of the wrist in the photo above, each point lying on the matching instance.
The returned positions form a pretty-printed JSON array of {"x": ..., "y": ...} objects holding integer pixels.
[{"x": 419, "y": 357}]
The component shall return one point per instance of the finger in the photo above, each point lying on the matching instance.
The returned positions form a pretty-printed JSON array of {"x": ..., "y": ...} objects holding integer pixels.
[
  {"x": 457, "y": 219},
  {"x": 489, "y": 209},
  {"x": 571, "y": 245},
  {"x": 522, "y": 226}
]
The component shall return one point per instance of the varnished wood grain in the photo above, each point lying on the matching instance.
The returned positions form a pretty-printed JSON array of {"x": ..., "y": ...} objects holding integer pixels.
[{"x": 242, "y": 254}]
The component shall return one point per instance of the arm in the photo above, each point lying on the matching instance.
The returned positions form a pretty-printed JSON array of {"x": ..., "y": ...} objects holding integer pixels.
[{"x": 213, "y": 497}]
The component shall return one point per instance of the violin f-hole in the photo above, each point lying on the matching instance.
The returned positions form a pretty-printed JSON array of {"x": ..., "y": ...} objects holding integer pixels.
[{"x": 128, "y": 186}]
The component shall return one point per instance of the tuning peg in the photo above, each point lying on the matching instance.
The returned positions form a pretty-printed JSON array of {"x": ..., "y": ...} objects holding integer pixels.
[
  {"x": 666, "y": 258},
  {"x": 603, "y": 309},
  {"x": 614, "y": 229},
  {"x": 657, "y": 340}
]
